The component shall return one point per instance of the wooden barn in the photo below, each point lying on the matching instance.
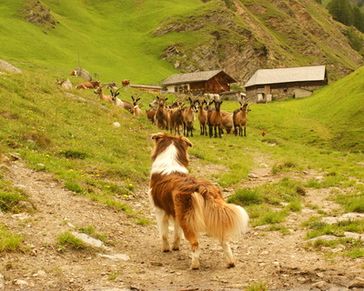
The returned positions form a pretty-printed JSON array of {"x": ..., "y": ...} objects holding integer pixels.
[
  {"x": 275, "y": 84},
  {"x": 216, "y": 81}
]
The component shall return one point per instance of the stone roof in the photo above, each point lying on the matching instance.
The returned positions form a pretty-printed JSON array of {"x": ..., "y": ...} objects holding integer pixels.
[
  {"x": 287, "y": 75},
  {"x": 194, "y": 77}
]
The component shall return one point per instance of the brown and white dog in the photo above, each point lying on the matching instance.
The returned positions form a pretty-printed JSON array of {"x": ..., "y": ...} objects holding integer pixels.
[{"x": 195, "y": 205}]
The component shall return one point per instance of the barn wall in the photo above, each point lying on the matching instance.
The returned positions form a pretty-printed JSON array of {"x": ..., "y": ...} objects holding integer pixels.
[
  {"x": 281, "y": 91},
  {"x": 217, "y": 84}
]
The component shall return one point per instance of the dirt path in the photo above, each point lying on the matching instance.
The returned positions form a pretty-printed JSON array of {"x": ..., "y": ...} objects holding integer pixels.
[{"x": 280, "y": 261}]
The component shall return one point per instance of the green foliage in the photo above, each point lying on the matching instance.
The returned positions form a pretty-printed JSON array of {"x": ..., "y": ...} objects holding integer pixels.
[
  {"x": 355, "y": 40},
  {"x": 91, "y": 231},
  {"x": 356, "y": 252},
  {"x": 272, "y": 217},
  {"x": 10, "y": 196},
  {"x": 246, "y": 197},
  {"x": 344, "y": 12},
  {"x": 283, "y": 167},
  {"x": 319, "y": 228},
  {"x": 68, "y": 240},
  {"x": 257, "y": 286},
  {"x": 352, "y": 203},
  {"x": 8, "y": 240}
]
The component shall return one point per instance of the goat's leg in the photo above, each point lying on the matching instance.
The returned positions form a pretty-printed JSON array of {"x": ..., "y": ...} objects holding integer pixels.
[
  {"x": 215, "y": 130},
  {"x": 210, "y": 130},
  {"x": 228, "y": 254},
  {"x": 244, "y": 130},
  {"x": 162, "y": 221},
  {"x": 205, "y": 129}
]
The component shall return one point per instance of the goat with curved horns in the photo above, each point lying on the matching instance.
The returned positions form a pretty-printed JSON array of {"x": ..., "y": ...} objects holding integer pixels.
[{"x": 122, "y": 104}]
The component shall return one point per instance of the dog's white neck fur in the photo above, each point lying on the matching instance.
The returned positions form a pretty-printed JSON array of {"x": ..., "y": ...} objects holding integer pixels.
[{"x": 167, "y": 163}]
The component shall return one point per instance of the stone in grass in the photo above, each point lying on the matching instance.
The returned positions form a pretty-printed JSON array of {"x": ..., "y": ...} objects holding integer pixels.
[
  {"x": 93, "y": 242},
  {"x": 116, "y": 124},
  {"x": 9, "y": 68},
  {"x": 354, "y": 235},
  {"x": 324, "y": 237},
  {"x": 351, "y": 216}
]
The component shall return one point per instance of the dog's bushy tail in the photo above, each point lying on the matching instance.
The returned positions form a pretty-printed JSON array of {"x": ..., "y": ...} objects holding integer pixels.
[{"x": 217, "y": 218}]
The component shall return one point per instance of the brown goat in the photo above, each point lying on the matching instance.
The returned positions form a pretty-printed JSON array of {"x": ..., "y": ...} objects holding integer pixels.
[
  {"x": 98, "y": 91},
  {"x": 215, "y": 120},
  {"x": 227, "y": 121},
  {"x": 202, "y": 116},
  {"x": 122, "y": 104},
  {"x": 161, "y": 116},
  {"x": 240, "y": 119},
  {"x": 188, "y": 118},
  {"x": 151, "y": 113},
  {"x": 88, "y": 85},
  {"x": 176, "y": 120}
]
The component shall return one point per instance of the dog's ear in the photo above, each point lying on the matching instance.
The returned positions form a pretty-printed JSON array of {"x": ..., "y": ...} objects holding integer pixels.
[
  {"x": 187, "y": 141},
  {"x": 157, "y": 136}
]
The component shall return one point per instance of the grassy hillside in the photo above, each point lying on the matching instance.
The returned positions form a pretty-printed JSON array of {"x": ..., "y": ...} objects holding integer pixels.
[
  {"x": 146, "y": 41},
  {"x": 110, "y": 38}
]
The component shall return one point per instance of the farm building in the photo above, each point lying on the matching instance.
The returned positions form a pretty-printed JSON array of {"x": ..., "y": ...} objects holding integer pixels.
[
  {"x": 216, "y": 81},
  {"x": 275, "y": 84}
]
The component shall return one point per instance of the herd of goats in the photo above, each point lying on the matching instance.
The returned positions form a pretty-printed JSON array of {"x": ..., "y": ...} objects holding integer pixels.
[{"x": 179, "y": 114}]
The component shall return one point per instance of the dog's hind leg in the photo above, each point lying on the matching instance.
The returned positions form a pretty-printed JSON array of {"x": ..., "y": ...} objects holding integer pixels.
[
  {"x": 177, "y": 236},
  {"x": 228, "y": 254},
  {"x": 191, "y": 236},
  {"x": 162, "y": 220}
]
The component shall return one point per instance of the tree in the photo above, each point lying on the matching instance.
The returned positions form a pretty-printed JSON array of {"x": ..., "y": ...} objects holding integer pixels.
[
  {"x": 358, "y": 19},
  {"x": 342, "y": 11}
]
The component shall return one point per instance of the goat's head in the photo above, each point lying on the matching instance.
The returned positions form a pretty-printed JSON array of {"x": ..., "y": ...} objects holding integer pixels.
[
  {"x": 161, "y": 101},
  {"x": 114, "y": 93},
  {"x": 217, "y": 104},
  {"x": 135, "y": 100},
  {"x": 98, "y": 90}
]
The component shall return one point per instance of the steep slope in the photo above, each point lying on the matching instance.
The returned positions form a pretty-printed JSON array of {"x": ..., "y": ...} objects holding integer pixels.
[
  {"x": 146, "y": 41},
  {"x": 246, "y": 35}
]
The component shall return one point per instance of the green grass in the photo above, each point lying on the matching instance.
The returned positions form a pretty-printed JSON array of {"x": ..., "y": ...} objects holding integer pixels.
[
  {"x": 318, "y": 228},
  {"x": 352, "y": 203},
  {"x": 8, "y": 240},
  {"x": 257, "y": 286},
  {"x": 91, "y": 231},
  {"x": 351, "y": 248},
  {"x": 264, "y": 203},
  {"x": 67, "y": 240},
  {"x": 10, "y": 197}
]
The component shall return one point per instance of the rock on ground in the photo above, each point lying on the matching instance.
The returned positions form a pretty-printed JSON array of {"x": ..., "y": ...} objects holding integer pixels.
[{"x": 9, "y": 68}]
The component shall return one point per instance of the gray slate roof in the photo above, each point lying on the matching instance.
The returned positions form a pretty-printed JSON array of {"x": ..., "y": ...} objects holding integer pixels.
[
  {"x": 287, "y": 75},
  {"x": 192, "y": 77}
]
